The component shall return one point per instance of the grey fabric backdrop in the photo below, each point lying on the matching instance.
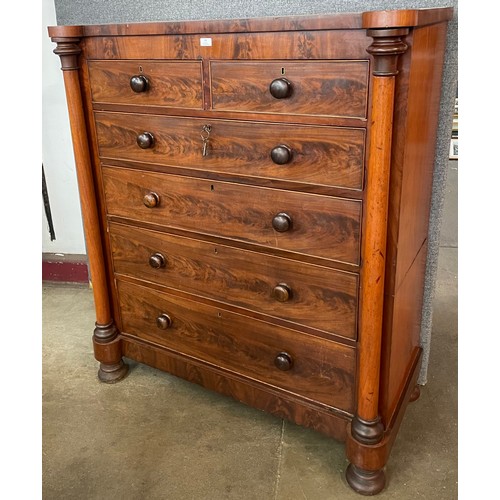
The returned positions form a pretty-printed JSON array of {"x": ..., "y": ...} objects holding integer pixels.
[{"x": 120, "y": 11}]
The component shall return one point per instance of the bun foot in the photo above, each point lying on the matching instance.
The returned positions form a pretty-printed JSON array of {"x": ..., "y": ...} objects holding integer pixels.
[
  {"x": 415, "y": 394},
  {"x": 110, "y": 374},
  {"x": 365, "y": 482}
]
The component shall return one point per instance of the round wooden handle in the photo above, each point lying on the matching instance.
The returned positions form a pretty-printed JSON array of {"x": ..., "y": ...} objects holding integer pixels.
[
  {"x": 145, "y": 140},
  {"x": 282, "y": 222},
  {"x": 139, "y": 83},
  {"x": 283, "y": 361},
  {"x": 280, "y": 88},
  {"x": 163, "y": 321},
  {"x": 151, "y": 200},
  {"x": 281, "y": 154},
  {"x": 282, "y": 292},
  {"x": 157, "y": 260}
]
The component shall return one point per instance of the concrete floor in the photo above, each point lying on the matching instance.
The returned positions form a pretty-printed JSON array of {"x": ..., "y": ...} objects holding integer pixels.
[{"x": 153, "y": 436}]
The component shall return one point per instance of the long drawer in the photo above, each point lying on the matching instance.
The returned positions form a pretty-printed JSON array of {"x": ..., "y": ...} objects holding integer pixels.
[
  {"x": 321, "y": 298},
  {"x": 320, "y": 226},
  {"x": 330, "y": 156},
  {"x": 332, "y": 88},
  {"x": 142, "y": 82},
  {"x": 300, "y": 364}
]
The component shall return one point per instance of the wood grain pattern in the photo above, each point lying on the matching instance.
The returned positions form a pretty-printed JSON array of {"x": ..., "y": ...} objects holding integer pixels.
[
  {"x": 171, "y": 83},
  {"x": 308, "y": 413},
  {"x": 100, "y": 202},
  {"x": 334, "y": 44},
  {"x": 322, "y": 371},
  {"x": 322, "y": 226},
  {"x": 411, "y": 187},
  {"x": 322, "y": 298},
  {"x": 338, "y": 21},
  {"x": 416, "y": 185},
  {"x": 374, "y": 247},
  {"x": 104, "y": 338},
  {"x": 237, "y": 291},
  {"x": 405, "y": 18},
  {"x": 87, "y": 198},
  {"x": 320, "y": 155},
  {"x": 336, "y": 88},
  {"x": 333, "y": 121}
]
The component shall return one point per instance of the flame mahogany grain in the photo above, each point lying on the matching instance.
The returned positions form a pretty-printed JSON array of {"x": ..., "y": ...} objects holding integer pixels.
[
  {"x": 323, "y": 299},
  {"x": 327, "y": 156},
  {"x": 293, "y": 285},
  {"x": 322, "y": 226},
  {"x": 322, "y": 371},
  {"x": 317, "y": 88},
  {"x": 171, "y": 84}
]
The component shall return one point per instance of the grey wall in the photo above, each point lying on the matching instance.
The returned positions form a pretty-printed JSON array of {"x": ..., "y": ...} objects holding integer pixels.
[{"x": 115, "y": 11}]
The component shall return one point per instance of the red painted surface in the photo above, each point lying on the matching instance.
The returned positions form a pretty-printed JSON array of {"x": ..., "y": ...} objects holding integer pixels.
[{"x": 67, "y": 271}]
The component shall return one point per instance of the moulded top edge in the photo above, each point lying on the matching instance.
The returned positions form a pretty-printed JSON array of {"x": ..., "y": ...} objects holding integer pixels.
[{"x": 406, "y": 18}]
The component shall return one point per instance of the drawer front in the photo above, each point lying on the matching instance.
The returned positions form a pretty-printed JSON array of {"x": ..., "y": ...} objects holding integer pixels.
[
  {"x": 321, "y": 298},
  {"x": 171, "y": 83},
  {"x": 328, "y": 88},
  {"x": 321, "y": 226},
  {"x": 319, "y": 370},
  {"x": 330, "y": 156}
]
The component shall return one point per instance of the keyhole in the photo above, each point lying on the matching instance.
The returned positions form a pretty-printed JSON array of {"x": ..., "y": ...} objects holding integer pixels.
[
  {"x": 211, "y": 187},
  {"x": 141, "y": 70},
  {"x": 282, "y": 71}
]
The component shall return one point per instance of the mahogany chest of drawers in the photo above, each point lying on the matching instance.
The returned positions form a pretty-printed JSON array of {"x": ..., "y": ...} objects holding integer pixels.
[{"x": 255, "y": 196}]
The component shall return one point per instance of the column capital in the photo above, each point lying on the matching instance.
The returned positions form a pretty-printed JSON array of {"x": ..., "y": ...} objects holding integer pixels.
[
  {"x": 68, "y": 49},
  {"x": 386, "y": 47}
]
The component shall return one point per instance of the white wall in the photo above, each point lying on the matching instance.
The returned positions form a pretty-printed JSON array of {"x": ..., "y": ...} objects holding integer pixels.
[{"x": 57, "y": 152}]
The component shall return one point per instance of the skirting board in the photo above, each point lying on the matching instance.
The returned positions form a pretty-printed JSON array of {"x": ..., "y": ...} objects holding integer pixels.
[{"x": 69, "y": 268}]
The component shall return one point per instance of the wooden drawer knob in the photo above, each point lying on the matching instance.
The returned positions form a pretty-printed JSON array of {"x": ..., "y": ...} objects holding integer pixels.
[
  {"x": 151, "y": 200},
  {"x": 282, "y": 292},
  {"x": 280, "y": 88},
  {"x": 281, "y": 154},
  {"x": 139, "y": 83},
  {"x": 282, "y": 222},
  {"x": 283, "y": 361},
  {"x": 163, "y": 321},
  {"x": 157, "y": 261},
  {"x": 145, "y": 140}
]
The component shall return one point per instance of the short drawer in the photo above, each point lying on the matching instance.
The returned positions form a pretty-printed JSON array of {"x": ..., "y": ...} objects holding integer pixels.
[
  {"x": 175, "y": 84},
  {"x": 315, "y": 225},
  {"x": 316, "y": 369},
  {"x": 304, "y": 294},
  {"x": 328, "y": 88},
  {"x": 330, "y": 156}
]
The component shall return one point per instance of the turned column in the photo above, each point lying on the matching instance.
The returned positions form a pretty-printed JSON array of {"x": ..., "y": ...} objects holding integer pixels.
[
  {"x": 366, "y": 428},
  {"x": 107, "y": 348}
]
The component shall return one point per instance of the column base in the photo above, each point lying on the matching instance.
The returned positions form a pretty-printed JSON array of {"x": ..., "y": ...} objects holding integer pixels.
[
  {"x": 367, "y": 431},
  {"x": 108, "y": 351}
]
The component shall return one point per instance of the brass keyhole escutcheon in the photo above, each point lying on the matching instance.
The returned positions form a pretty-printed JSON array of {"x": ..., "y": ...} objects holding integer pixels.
[{"x": 205, "y": 136}]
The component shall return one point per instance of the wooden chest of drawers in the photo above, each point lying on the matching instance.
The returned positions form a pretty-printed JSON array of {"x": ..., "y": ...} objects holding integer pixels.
[{"x": 255, "y": 196}]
